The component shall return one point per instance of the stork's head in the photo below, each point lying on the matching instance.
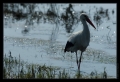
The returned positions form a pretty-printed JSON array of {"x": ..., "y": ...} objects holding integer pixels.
[{"x": 84, "y": 17}]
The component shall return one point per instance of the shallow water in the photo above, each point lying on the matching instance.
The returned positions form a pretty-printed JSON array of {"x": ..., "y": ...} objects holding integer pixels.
[{"x": 35, "y": 46}]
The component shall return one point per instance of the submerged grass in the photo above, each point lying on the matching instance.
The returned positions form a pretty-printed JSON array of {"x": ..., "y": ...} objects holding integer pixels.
[{"x": 14, "y": 68}]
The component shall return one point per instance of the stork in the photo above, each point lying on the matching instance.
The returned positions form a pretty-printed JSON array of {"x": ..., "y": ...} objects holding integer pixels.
[{"x": 79, "y": 40}]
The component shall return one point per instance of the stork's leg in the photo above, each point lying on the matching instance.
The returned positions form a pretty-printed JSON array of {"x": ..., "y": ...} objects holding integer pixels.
[
  {"x": 76, "y": 59},
  {"x": 80, "y": 61}
]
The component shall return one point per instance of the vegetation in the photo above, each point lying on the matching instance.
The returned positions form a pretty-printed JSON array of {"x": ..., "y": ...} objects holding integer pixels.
[
  {"x": 14, "y": 68},
  {"x": 26, "y": 11}
]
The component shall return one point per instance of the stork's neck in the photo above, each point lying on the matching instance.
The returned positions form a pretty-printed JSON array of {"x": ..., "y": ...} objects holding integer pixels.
[
  {"x": 85, "y": 33},
  {"x": 85, "y": 26}
]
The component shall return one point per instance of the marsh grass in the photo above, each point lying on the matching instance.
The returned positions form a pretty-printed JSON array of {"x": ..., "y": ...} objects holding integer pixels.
[{"x": 15, "y": 68}]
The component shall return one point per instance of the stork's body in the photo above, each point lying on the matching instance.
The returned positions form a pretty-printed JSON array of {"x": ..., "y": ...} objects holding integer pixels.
[{"x": 79, "y": 40}]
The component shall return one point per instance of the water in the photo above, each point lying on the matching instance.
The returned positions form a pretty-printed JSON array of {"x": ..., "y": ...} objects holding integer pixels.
[{"x": 34, "y": 47}]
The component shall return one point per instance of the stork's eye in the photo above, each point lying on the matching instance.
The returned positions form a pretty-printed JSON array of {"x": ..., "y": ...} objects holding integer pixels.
[{"x": 85, "y": 16}]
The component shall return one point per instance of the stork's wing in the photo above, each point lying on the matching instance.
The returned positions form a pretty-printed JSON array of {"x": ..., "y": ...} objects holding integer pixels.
[{"x": 68, "y": 45}]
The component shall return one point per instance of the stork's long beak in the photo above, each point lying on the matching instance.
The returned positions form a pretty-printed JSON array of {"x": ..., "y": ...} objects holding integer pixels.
[{"x": 88, "y": 20}]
